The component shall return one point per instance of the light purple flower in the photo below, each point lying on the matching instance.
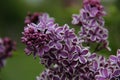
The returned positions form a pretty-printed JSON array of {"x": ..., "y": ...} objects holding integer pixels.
[
  {"x": 68, "y": 34},
  {"x": 115, "y": 59},
  {"x": 62, "y": 52},
  {"x": 81, "y": 55},
  {"x": 56, "y": 38},
  {"x": 45, "y": 22},
  {"x": 104, "y": 74}
]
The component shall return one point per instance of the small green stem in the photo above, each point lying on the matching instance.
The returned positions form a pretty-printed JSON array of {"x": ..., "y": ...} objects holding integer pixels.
[{"x": 97, "y": 48}]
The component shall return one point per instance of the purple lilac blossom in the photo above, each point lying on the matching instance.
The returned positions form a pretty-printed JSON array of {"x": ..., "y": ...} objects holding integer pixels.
[
  {"x": 37, "y": 36},
  {"x": 61, "y": 50},
  {"x": 115, "y": 59},
  {"x": 92, "y": 22},
  {"x": 81, "y": 55},
  {"x": 6, "y": 48},
  {"x": 35, "y": 40}
]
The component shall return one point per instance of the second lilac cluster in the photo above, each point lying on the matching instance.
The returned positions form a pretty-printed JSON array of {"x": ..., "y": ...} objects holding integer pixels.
[{"x": 92, "y": 22}]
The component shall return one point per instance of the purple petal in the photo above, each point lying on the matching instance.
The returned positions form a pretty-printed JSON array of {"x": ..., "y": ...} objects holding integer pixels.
[
  {"x": 71, "y": 36},
  {"x": 75, "y": 19},
  {"x": 97, "y": 29},
  {"x": 51, "y": 43},
  {"x": 116, "y": 73},
  {"x": 58, "y": 45},
  {"x": 118, "y": 63},
  {"x": 27, "y": 51},
  {"x": 70, "y": 70},
  {"x": 41, "y": 52},
  {"x": 113, "y": 59},
  {"x": 93, "y": 37},
  {"x": 68, "y": 41},
  {"x": 94, "y": 11},
  {"x": 46, "y": 48},
  {"x": 105, "y": 73},
  {"x": 74, "y": 64},
  {"x": 118, "y": 52},
  {"x": 72, "y": 49},
  {"x": 78, "y": 49},
  {"x": 55, "y": 78},
  {"x": 92, "y": 56},
  {"x": 64, "y": 54},
  {"x": 76, "y": 57},
  {"x": 82, "y": 59},
  {"x": 95, "y": 65},
  {"x": 84, "y": 52},
  {"x": 65, "y": 63},
  {"x": 100, "y": 78},
  {"x": 67, "y": 48},
  {"x": 59, "y": 29}
]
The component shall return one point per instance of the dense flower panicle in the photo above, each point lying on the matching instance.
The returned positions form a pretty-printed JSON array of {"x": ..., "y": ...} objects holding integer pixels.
[
  {"x": 45, "y": 35},
  {"x": 35, "y": 40},
  {"x": 6, "y": 48},
  {"x": 36, "y": 36},
  {"x": 61, "y": 51},
  {"x": 92, "y": 22},
  {"x": 97, "y": 68}
]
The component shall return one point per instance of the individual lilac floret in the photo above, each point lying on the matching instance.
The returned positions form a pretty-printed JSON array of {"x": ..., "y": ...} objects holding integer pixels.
[
  {"x": 56, "y": 38},
  {"x": 81, "y": 55},
  {"x": 115, "y": 59},
  {"x": 45, "y": 22},
  {"x": 105, "y": 74},
  {"x": 6, "y": 48},
  {"x": 68, "y": 34}
]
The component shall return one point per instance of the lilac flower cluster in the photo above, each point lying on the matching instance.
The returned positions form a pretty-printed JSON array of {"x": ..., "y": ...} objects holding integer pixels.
[
  {"x": 92, "y": 22},
  {"x": 6, "y": 48},
  {"x": 62, "y": 52}
]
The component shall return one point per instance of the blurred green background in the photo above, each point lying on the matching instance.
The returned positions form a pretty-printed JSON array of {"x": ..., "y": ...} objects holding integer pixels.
[{"x": 12, "y": 14}]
